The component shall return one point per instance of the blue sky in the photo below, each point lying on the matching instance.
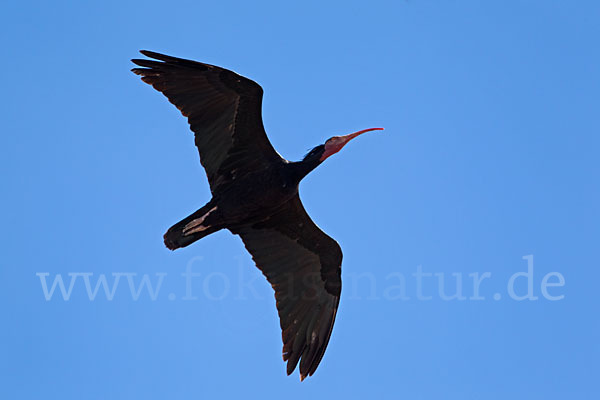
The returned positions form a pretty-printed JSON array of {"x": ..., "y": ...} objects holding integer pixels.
[{"x": 490, "y": 155}]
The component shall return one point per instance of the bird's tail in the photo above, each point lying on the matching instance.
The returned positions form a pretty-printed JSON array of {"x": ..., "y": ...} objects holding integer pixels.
[{"x": 198, "y": 225}]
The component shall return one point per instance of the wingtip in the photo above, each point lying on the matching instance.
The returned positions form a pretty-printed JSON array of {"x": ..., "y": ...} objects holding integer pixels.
[
  {"x": 155, "y": 55},
  {"x": 302, "y": 377}
]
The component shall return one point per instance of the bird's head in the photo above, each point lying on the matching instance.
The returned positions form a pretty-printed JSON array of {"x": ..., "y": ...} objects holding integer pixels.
[
  {"x": 335, "y": 144},
  {"x": 332, "y": 146}
]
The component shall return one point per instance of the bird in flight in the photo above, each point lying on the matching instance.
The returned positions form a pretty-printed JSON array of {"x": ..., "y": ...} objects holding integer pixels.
[{"x": 255, "y": 195}]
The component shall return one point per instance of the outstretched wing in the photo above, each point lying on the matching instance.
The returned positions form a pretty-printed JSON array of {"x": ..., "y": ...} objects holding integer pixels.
[
  {"x": 223, "y": 110},
  {"x": 303, "y": 265}
]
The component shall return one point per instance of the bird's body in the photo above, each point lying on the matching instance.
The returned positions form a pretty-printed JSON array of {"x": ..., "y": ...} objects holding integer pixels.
[
  {"x": 255, "y": 195},
  {"x": 246, "y": 199}
]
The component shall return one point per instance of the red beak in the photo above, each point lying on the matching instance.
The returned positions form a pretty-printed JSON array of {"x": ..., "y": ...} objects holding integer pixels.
[{"x": 336, "y": 143}]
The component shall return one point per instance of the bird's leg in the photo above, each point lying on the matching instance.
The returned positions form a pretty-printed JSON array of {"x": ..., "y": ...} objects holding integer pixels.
[
  {"x": 196, "y": 224},
  {"x": 194, "y": 227}
]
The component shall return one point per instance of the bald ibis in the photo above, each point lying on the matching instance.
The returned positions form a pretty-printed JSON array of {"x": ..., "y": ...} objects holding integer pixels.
[{"x": 255, "y": 195}]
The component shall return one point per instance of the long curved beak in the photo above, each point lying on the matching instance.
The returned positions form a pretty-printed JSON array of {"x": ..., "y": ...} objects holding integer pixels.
[
  {"x": 351, "y": 136},
  {"x": 336, "y": 143}
]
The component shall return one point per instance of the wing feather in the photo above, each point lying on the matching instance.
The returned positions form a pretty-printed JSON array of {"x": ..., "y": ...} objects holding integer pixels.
[
  {"x": 303, "y": 265},
  {"x": 223, "y": 110}
]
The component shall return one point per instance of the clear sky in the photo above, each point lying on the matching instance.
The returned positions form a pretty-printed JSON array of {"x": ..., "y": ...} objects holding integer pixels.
[{"x": 487, "y": 173}]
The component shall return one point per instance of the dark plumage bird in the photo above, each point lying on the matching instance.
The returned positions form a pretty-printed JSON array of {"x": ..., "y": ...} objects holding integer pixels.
[{"x": 255, "y": 195}]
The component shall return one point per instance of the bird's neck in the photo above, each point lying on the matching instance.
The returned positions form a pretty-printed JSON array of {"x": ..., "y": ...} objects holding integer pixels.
[{"x": 299, "y": 169}]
